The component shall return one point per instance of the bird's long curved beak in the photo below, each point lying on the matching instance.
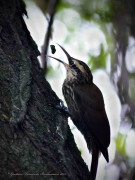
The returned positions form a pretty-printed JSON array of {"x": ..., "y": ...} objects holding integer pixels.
[
  {"x": 65, "y": 64},
  {"x": 68, "y": 56}
]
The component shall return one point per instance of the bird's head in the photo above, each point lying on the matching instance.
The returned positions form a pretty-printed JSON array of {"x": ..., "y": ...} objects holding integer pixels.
[{"x": 77, "y": 70}]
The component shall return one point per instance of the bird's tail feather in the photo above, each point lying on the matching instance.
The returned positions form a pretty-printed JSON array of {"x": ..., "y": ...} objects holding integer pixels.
[{"x": 94, "y": 163}]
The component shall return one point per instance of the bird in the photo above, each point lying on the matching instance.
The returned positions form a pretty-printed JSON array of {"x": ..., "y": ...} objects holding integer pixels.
[{"x": 87, "y": 109}]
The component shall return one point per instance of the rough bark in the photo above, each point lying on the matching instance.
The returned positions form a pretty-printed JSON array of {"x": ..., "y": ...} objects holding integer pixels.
[{"x": 34, "y": 135}]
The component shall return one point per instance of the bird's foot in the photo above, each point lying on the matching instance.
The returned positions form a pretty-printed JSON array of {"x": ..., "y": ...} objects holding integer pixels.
[{"x": 63, "y": 108}]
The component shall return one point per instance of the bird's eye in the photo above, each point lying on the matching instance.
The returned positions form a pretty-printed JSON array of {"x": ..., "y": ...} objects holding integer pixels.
[{"x": 72, "y": 65}]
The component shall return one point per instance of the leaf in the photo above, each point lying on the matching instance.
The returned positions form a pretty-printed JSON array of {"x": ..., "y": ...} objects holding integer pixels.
[
  {"x": 98, "y": 62},
  {"x": 121, "y": 144},
  {"x": 53, "y": 49}
]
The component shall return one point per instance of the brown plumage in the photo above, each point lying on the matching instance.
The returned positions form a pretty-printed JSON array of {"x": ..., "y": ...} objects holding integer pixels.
[{"x": 86, "y": 107}]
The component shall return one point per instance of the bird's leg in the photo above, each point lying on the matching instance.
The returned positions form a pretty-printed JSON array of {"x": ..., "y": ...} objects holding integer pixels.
[{"x": 63, "y": 108}]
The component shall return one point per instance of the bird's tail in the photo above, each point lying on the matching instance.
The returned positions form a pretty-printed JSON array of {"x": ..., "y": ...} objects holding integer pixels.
[{"x": 94, "y": 163}]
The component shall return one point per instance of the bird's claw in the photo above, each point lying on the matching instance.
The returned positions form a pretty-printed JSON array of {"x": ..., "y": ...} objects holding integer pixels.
[{"x": 63, "y": 108}]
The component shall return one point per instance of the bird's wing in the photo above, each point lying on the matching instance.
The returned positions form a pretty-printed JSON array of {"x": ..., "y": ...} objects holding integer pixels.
[{"x": 90, "y": 105}]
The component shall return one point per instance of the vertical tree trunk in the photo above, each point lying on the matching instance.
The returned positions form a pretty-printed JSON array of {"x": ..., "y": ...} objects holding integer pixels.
[{"x": 34, "y": 135}]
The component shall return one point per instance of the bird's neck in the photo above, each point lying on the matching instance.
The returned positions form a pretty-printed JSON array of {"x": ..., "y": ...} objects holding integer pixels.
[{"x": 74, "y": 82}]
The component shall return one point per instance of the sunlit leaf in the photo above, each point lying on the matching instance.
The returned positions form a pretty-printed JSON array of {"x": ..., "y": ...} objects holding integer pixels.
[
  {"x": 99, "y": 61},
  {"x": 121, "y": 144}
]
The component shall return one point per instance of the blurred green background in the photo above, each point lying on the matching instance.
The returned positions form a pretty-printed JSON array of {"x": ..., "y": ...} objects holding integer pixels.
[{"x": 102, "y": 34}]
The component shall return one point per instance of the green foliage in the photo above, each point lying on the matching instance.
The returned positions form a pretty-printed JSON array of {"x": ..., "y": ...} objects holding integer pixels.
[
  {"x": 121, "y": 144},
  {"x": 50, "y": 71},
  {"x": 90, "y": 10},
  {"x": 81, "y": 151},
  {"x": 62, "y": 5},
  {"x": 98, "y": 62}
]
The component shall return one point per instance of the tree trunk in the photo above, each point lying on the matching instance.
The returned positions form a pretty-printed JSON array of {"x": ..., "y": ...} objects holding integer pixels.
[{"x": 35, "y": 139}]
